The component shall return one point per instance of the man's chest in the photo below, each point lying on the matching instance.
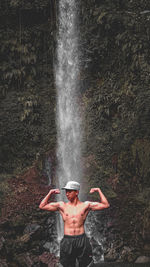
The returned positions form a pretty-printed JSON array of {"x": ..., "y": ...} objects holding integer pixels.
[{"x": 74, "y": 212}]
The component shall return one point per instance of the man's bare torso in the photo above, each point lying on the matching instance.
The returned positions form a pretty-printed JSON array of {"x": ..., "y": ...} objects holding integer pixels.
[
  {"x": 74, "y": 217},
  {"x": 74, "y": 212}
]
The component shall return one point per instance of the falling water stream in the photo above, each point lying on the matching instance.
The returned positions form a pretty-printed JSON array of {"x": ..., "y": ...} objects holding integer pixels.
[
  {"x": 68, "y": 117},
  {"x": 69, "y": 121}
]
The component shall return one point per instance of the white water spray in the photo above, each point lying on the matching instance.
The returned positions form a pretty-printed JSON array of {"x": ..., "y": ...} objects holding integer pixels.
[{"x": 68, "y": 118}]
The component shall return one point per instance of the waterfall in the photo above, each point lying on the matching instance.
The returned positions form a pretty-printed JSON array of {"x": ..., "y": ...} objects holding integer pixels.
[
  {"x": 68, "y": 115},
  {"x": 69, "y": 123}
]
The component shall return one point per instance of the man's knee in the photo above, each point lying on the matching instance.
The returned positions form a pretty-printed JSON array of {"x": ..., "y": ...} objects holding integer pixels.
[{"x": 85, "y": 262}]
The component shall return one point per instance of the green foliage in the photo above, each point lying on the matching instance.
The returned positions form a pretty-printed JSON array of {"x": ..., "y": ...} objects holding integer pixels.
[
  {"x": 4, "y": 188},
  {"x": 116, "y": 94},
  {"x": 20, "y": 58},
  {"x": 20, "y": 61},
  {"x": 26, "y": 93},
  {"x": 141, "y": 158},
  {"x": 4, "y": 185},
  {"x": 143, "y": 197},
  {"x": 27, "y": 5},
  {"x": 29, "y": 103}
]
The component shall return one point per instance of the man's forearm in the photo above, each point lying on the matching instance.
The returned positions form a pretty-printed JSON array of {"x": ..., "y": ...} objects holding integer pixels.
[
  {"x": 102, "y": 197},
  {"x": 45, "y": 200}
]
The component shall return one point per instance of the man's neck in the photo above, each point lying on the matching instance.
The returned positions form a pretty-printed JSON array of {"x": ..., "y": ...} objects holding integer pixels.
[{"x": 75, "y": 202}]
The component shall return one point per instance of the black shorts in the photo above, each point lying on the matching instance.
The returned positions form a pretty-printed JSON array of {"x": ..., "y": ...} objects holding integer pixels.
[{"x": 75, "y": 247}]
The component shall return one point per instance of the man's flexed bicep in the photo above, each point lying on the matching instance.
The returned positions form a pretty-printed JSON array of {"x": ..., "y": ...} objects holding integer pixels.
[
  {"x": 103, "y": 204},
  {"x": 97, "y": 206},
  {"x": 51, "y": 206}
]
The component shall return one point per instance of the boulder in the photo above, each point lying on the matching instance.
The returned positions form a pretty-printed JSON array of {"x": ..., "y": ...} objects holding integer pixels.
[
  {"x": 34, "y": 230},
  {"x": 48, "y": 259},
  {"x": 142, "y": 259},
  {"x": 112, "y": 255},
  {"x": 52, "y": 247},
  {"x": 3, "y": 263},
  {"x": 31, "y": 228},
  {"x": 26, "y": 260}
]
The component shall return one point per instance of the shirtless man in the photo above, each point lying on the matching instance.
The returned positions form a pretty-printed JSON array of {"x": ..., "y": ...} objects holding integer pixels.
[{"x": 75, "y": 244}]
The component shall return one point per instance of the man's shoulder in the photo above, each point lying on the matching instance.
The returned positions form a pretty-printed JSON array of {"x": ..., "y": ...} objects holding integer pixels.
[
  {"x": 87, "y": 203},
  {"x": 61, "y": 203}
]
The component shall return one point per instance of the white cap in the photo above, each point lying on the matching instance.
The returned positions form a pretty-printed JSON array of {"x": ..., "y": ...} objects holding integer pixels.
[{"x": 72, "y": 185}]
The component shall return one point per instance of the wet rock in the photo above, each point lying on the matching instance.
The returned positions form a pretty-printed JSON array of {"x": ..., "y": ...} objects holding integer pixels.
[
  {"x": 32, "y": 229},
  {"x": 19, "y": 245},
  {"x": 127, "y": 254},
  {"x": 52, "y": 247},
  {"x": 112, "y": 255},
  {"x": 26, "y": 260},
  {"x": 3, "y": 263},
  {"x": 49, "y": 259},
  {"x": 118, "y": 244},
  {"x": 50, "y": 221},
  {"x": 51, "y": 228},
  {"x": 125, "y": 251},
  {"x": 147, "y": 248},
  {"x": 2, "y": 245},
  {"x": 47, "y": 246},
  {"x": 142, "y": 259},
  {"x": 97, "y": 249},
  {"x": 146, "y": 235},
  {"x": 25, "y": 238}
]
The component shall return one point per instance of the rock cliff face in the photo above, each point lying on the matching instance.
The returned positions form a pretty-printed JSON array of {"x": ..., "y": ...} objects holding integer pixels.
[{"x": 114, "y": 98}]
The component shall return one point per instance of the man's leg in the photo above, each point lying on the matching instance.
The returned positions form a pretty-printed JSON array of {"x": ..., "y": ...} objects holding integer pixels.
[
  {"x": 67, "y": 258},
  {"x": 85, "y": 255}
]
